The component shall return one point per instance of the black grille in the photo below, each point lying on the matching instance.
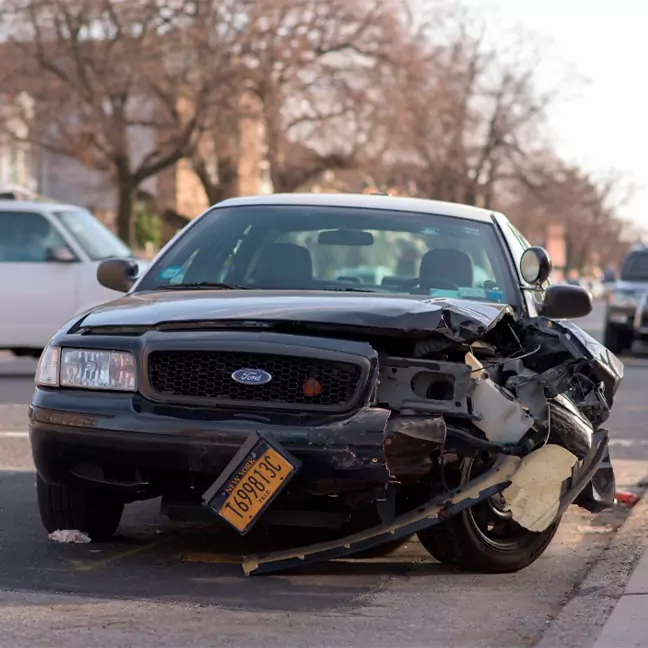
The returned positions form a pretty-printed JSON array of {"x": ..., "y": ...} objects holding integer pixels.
[{"x": 208, "y": 374}]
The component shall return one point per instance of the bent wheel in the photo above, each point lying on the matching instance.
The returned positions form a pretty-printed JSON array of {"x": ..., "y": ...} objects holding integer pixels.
[
  {"x": 61, "y": 507},
  {"x": 485, "y": 538}
]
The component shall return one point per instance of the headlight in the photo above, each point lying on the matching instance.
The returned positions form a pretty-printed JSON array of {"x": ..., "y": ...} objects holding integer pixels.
[
  {"x": 47, "y": 372},
  {"x": 86, "y": 369},
  {"x": 623, "y": 300}
]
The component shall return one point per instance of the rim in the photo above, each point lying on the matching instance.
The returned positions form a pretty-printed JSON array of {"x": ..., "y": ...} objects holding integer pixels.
[{"x": 490, "y": 521}]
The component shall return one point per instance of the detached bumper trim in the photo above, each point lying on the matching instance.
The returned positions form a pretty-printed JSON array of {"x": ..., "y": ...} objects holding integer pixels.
[
  {"x": 588, "y": 467},
  {"x": 435, "y": 511}
]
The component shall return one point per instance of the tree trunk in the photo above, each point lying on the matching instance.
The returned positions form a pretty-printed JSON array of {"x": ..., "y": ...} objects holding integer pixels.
[
  {"x": 125, "y": 211},
  {"x": 228, "y": 184}
]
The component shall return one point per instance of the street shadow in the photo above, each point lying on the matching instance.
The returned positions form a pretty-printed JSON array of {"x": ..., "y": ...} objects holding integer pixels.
[{"x": 152, "y": 558}]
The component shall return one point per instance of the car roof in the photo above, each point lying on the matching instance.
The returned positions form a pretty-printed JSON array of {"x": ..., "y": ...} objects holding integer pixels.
[
  {"x": 370, "y": 201},
  {"x": 34, "y": 206}
]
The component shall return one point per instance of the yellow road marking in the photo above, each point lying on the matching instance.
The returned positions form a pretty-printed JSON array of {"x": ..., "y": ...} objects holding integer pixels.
[
  {"x": 209, "y": 558},
  {"x": 84, "y": 566}
]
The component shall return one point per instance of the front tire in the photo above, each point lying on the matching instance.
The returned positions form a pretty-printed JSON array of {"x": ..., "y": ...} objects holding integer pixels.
[
  {"x": 484, "y": 538},
  {"x": 61, "y": 507}
]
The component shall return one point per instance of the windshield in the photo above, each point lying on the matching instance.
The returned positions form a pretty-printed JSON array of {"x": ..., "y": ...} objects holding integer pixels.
[
  {"x": 635, "y": 267},
  {"x": 92, "y": 235},
  {"x": 338, "y": 248}
]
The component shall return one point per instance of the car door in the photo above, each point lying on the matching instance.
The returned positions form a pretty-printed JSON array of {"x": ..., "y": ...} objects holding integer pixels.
[{"x": 37, "y": 293}]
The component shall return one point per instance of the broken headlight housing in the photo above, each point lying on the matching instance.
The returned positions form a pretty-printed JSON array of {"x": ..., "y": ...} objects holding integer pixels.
[{"x": 87, "y": 369}]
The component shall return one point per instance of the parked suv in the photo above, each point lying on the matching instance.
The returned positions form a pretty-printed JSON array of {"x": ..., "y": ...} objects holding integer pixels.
[
  {"x": 625, "y": 319},
  {"x": 49, "y": 253}
]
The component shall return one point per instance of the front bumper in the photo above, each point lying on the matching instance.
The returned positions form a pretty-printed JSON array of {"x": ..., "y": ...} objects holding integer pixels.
[{"x": 124, "y": 443}]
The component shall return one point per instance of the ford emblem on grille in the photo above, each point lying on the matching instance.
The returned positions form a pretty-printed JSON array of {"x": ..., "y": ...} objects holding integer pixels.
[{"x": 252, "y": 377}]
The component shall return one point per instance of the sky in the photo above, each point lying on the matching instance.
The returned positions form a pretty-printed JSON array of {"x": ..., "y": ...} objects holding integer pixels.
[{"x": 601, "y": 122}]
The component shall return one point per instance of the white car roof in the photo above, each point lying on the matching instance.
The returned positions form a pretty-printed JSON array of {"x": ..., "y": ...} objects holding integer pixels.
[
  {"x": 34, "y": 206},
  {"x": 372, "y": 201}
]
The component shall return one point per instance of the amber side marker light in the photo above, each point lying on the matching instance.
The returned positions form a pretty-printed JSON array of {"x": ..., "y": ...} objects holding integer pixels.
[{"x": 312, "y": 388}]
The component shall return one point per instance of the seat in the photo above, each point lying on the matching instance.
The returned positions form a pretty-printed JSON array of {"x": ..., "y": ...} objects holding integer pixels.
[
  {"x": 283, "y": 262},
  {"x": 446, "y": 265}
]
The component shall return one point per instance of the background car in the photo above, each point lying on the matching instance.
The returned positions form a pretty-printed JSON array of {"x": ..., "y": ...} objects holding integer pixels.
[
  {"x": 49, "y": 254},
  {"x": 625, "y": 316}
]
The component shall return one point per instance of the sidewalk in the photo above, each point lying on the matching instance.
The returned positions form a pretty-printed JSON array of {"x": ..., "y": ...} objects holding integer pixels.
[{"x": 627, "y": 626}]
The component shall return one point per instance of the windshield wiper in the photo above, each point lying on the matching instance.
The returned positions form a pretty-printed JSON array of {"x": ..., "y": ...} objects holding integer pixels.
[
  {"x": 202, "y": 285},
  {"x": 350, "y": 289}
]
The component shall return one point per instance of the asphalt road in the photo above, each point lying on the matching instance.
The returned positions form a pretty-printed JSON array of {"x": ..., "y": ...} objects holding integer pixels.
[{"x": 170, "y": 585}]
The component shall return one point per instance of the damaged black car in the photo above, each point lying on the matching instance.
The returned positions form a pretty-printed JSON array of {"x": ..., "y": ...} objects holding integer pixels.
[{"x": 364, "y": 366}]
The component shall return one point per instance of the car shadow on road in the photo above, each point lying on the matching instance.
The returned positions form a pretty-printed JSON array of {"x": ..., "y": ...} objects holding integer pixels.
[{"x": 152, "y": 558}]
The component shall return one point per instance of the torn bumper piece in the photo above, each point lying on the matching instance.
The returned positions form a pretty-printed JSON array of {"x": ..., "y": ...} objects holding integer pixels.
[
  {"x": 586, "y": 469},
  {"x": 435, "y": 511},
  {"x": 549, "y": 480}
]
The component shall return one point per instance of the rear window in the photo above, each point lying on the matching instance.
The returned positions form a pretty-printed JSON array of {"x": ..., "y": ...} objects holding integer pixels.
[{"x": 635, "y": 267}]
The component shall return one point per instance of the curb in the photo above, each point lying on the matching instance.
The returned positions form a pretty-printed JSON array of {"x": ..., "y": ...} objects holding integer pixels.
[{"x": 581, "y": 620}]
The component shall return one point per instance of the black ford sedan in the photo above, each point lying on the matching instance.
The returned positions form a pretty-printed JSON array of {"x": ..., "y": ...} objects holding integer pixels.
[{"x": 367, "y": 367}]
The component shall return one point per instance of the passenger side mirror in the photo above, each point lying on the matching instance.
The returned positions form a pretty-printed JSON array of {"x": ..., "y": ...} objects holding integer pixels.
[
  {"x": 117, "y": 274},
  {"x": 60, "y": 254},
  {"x": 535, "y": 265},
  {"x": 565, "y": 302}
]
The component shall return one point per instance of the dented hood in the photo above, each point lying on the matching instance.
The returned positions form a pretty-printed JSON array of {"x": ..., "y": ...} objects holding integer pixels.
[{"x": 452, "y": 317}]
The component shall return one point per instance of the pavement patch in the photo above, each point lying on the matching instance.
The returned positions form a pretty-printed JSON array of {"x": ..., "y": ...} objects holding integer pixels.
[
  {"x": 209, "y": 558},
  {"x": 94, "y": 565},
  {"x": 13, "y": 417}
]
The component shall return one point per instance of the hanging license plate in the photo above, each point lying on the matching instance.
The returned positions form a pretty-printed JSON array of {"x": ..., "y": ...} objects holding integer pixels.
[{"x": 252, "y": 480}]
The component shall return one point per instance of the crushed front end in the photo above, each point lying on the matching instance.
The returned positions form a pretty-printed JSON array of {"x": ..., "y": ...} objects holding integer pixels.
[{"x": 526, "y": 399}]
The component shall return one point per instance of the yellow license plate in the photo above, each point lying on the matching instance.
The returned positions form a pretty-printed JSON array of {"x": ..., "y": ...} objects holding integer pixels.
[{"x": 255, "y": 481}]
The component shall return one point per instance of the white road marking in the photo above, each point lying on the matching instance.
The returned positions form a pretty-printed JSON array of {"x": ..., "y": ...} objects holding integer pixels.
[
  {"x": 628, "y": 443},
  {"x": 14, "y": 434}
]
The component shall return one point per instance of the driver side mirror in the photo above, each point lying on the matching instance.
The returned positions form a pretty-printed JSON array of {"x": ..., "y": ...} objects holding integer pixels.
[
  {"x": 565, "y": 302},
  {"x": 535, "y": 265},
  {"x": 60, "y": 254},
  {"x": 117, "y": 274}
]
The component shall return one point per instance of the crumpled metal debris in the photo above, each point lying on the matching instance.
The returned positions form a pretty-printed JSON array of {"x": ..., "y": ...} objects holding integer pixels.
[
  {"x": 69, "y": 536},
  {"x": 534, "y": 494},
  {"x": 500, "y": 416}
]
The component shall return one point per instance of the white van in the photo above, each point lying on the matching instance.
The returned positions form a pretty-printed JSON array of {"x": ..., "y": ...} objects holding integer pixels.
[{"x": 49, "y": 253}]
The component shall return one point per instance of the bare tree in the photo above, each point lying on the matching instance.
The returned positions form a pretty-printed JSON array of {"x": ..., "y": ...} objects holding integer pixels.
[
  {"x": 97, "y": 71},
  {"x": 310, "y": 66}
]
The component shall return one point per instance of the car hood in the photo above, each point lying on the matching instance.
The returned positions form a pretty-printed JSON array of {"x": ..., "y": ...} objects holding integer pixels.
[{"x": 453, "y": 317}]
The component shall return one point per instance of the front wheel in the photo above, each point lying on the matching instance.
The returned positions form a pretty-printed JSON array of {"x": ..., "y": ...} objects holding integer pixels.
[
  {"x": 61, "y": 507},
  {"x": 484, "y": 538}
]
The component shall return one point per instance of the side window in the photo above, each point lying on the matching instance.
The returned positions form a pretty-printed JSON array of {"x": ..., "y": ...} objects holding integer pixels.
[{"x": 25, "y": 237}]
